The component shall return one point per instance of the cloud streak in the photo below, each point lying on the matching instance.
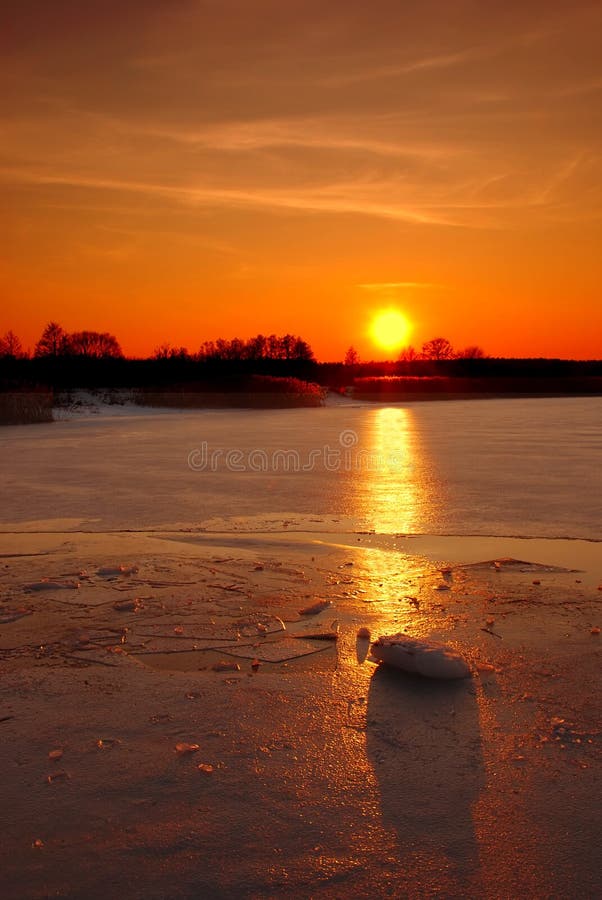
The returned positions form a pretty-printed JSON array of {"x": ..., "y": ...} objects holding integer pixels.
[
  {"x": 462, "y": 199},
  {"x": 321, "y": 133},
  {"x": 335, "y": 198}
]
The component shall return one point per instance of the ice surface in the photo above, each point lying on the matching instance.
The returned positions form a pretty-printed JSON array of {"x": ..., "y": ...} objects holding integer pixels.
[{"x": 487, "y": 467}]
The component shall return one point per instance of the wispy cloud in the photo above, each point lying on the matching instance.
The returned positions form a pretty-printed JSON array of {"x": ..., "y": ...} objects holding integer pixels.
[
  {"x": 351, "y": 198},
  {"x": 310, "y": 133},
  {"x": 460, "y": 201},
  {"x": 562, "y": 174},
  {"x": 445, "y": 60},
  {"x": 442, "y": 61},
  {"x": 446, "y": 152},
  {"x": 386, "y": 134}
]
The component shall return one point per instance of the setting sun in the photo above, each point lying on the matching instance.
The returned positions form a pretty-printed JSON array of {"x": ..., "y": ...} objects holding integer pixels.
[{"x": 390, "y": 329}]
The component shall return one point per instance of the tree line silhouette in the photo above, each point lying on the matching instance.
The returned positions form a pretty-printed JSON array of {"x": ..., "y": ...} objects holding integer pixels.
[
  {"x": 90, "y": 344},
  {"x": 438, "y": 348},
  {"x": 63, "y": 360},
  {"x": 55, "y": 343}
]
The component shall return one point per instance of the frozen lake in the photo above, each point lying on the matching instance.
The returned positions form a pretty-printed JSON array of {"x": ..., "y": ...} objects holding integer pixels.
[{"x": 525, "y": 468}]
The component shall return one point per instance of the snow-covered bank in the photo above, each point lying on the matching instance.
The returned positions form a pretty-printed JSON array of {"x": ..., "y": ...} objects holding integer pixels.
[
  {"x": 81, "y": 404},
  {"x": 120, "y": 402}
]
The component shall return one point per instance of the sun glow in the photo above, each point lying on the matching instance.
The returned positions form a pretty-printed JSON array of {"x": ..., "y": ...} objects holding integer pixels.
[{"x": 390, "y": 329}]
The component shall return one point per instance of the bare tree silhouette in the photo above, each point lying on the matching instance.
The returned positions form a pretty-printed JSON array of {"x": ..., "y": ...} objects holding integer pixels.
[
  {"x": 166, "y": 351},
  {"x": 94, "y": 345},
  {"x": 10, "y": 345},
  {"x": 53, "y": 342},
  {"x": 260, "y": 347},
  {"x": 437, "y": 348},
  {"x": 352, "y": 358},
  {"x": 408, "y": 354},
  {"x": 471, "y": 352}
]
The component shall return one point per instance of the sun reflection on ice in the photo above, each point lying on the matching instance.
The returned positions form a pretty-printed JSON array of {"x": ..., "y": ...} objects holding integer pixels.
[
  {"x": 393, "y": 493},
  {"x": 394, "y": 488}
]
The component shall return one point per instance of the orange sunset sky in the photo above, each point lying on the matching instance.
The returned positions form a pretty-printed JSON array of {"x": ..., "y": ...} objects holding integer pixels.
[{"x": 180, "y": 170}]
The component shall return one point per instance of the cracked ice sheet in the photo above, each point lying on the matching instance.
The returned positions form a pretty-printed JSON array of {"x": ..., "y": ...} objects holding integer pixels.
[
  {"x": 279, "y": 651},
  {"x": 293, "y": 733}
]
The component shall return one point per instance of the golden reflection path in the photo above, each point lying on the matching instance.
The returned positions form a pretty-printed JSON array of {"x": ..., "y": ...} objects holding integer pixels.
[
  {"x": 423, "y": 745},
  {"x": 454, "y": 767},
  {"x": 393, "y": 493},
  {"x": 394, "y": 488}
]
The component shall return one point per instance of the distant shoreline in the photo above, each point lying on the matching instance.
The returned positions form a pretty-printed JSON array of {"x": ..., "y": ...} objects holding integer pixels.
[
  {"x": 19, "y": 407},
  {"x": 418, "y": 397}
]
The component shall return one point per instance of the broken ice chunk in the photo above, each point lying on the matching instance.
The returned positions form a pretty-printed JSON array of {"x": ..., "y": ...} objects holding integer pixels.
[
  {"x": 315, "y": 608},
  {"x": 427, "y": 658},
  {"x": 106, "y": 571}
]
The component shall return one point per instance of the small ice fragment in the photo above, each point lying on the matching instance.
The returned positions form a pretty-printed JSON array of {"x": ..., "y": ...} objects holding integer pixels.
[
  {"x": 317, "y": 636},
  {"x": 117, "y": 570},
  {"x": 56, "y": 776},
  {"x": 485, "y": 667},
  {"x": 14, "y": 616},
  {"x": 55, "y": 754},
  {"x": 46, "y": 585},
  {"x": 37, "y": 844},
  {"x": 595, "y": 630},
  {"x": 132, "y": 605},
  {"x": 224, "y": 666},
  {"x": 315, "y": 608},
  {"x": 178, "y": 629},
  {"x": 205, "y": 767},
  {"x": 184, "y": 747}
]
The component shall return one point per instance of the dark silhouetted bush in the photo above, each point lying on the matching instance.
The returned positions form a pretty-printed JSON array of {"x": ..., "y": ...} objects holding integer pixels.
[
  {"x": 253, "y": 392},
  {"x": 24, "y": 407}
]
